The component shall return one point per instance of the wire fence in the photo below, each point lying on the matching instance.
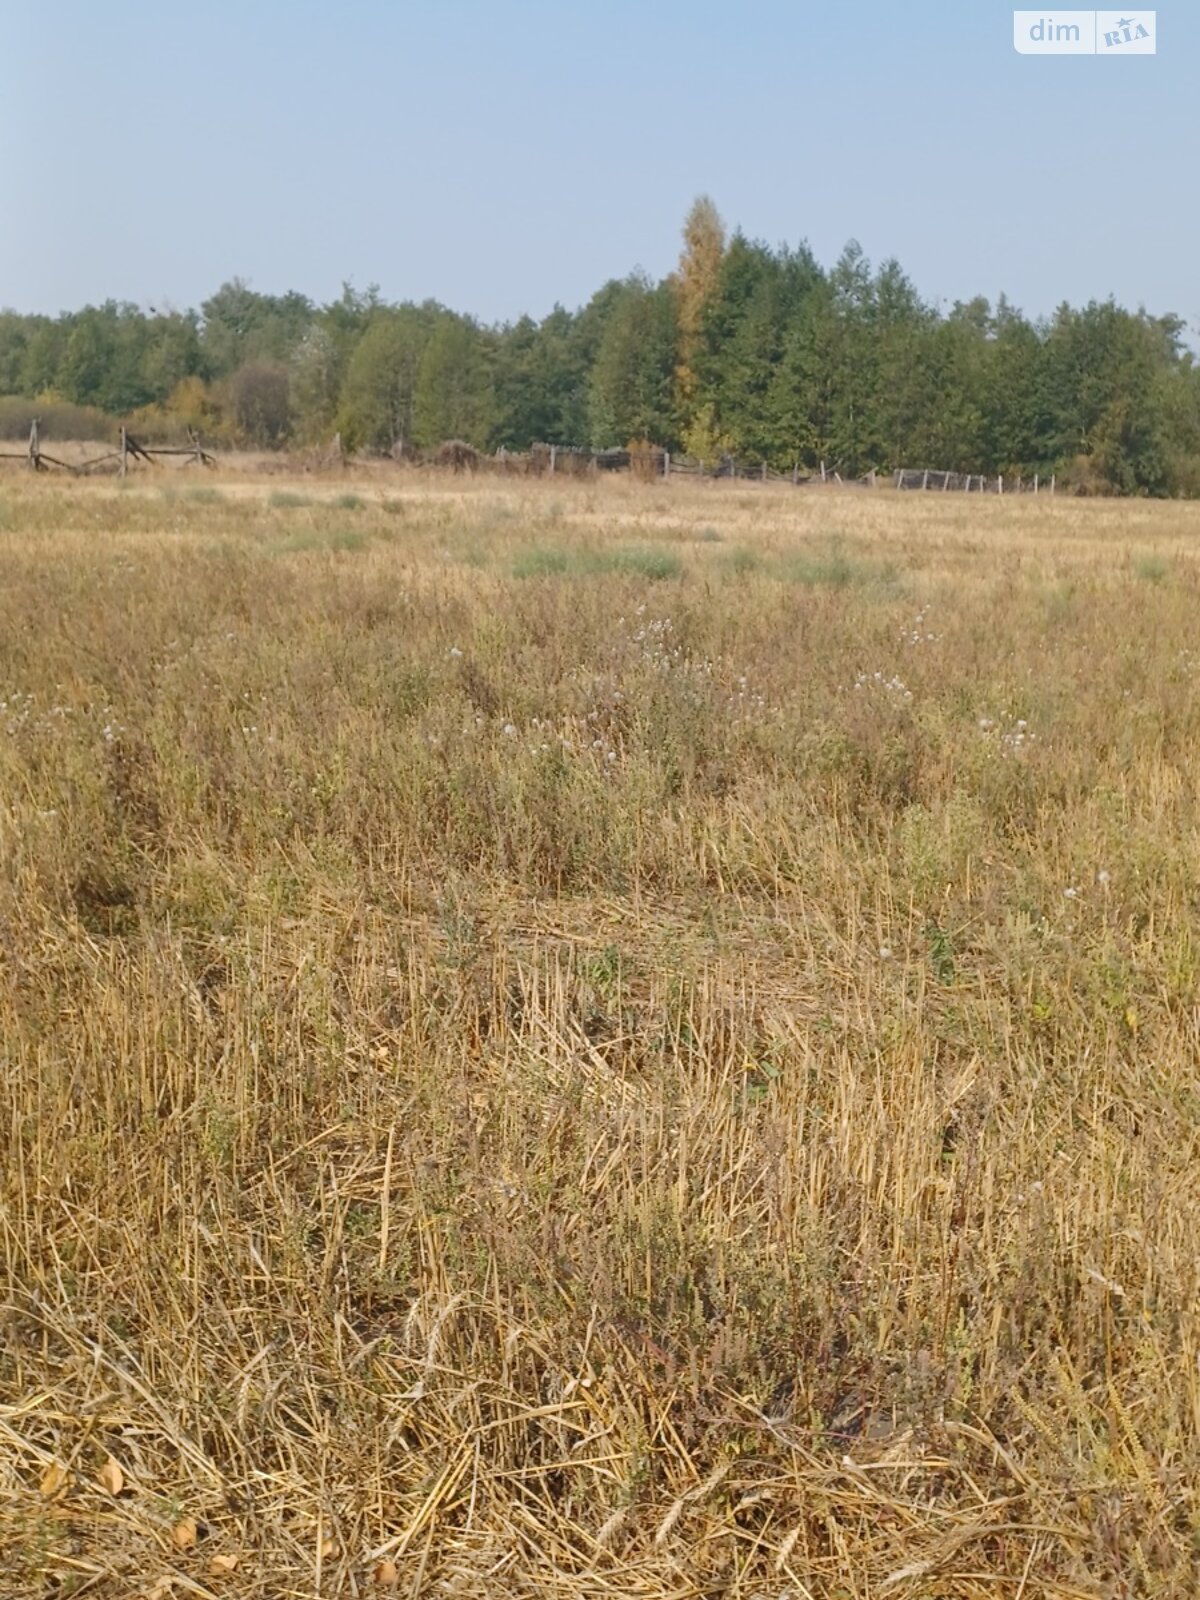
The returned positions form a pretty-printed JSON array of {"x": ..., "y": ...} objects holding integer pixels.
[
  {"x": 927, "y": 479},
  {"x": 653, "y": 462}
]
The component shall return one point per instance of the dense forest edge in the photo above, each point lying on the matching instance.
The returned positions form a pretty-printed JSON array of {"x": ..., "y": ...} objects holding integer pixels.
[{"x": 744, "y": 349}]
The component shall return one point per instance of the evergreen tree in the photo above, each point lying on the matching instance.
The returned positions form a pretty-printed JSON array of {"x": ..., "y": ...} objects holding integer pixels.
[
  {"x": 759, "y": 301},
  {"x": 1102, "y": 363},
  {"x": 902, "y": 332},
  {"x": 632, "y": 395},
  {"x": 1015, "y": 409},
  {"x": 800, "y": 398}
]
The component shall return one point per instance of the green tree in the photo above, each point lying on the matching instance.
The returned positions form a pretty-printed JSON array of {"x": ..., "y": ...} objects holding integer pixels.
[
  {"x": 455, "y": 395},
  {"x": 377, "y": 404},
  {"x": 760, "y": 298},
  {"x": 15, "y": 333},
  {"x": 801, "y": 396},
  {"x": 1015, "y": 424},
  {"x": 315, "y": 372},
  {"x": 632, "y": 390},
  {"x": 43, "y": 356},
  {"x": 105, "y": 360},
  {"x": 1177, "y": 405},
  {"x": 1102, "y": 365},
  {"x": 170, "y": 353},
  {"x": 86, "y": 361},
  {"x": 241, "y": 325}
]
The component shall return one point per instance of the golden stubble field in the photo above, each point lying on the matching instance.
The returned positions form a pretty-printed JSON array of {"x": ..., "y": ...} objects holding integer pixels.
[{"x": 595, "y": 1040}]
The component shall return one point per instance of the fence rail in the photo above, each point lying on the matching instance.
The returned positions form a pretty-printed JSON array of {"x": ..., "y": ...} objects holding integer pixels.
[{"x": 129, "y": 450}]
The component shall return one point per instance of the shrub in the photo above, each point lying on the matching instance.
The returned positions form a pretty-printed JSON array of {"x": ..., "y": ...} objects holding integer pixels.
[
  {"x": 59, "y": 420},
  {"x": 259, "y": 402},
  {"x": 742, "y": 561},
  {"x": 1151, "y": 568},
  {"x": 645, "y": 563},
  {"x": 540, "y": 563}
]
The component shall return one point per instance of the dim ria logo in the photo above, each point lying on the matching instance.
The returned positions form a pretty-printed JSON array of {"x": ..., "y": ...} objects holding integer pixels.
[{"x": 1084, "y": 33}]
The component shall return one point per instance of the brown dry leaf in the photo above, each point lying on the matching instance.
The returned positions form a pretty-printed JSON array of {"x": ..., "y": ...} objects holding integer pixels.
[
  {"x": 111, "y": 1478},
  {"x": 222, "y": 1566},
  {"x": 387, "y": 1575},
  {"x": 53, "y": 1479},
  {"x": 183, "y": 1534}
]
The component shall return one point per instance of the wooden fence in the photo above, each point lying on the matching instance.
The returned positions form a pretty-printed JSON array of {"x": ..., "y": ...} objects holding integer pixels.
[
  {"x": 648, "y": 462},
  {"x": 129, "y": 451}
]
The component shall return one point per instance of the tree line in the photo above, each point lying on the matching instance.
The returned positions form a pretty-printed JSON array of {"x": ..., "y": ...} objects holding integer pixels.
[{"x": 743, "y": 350}]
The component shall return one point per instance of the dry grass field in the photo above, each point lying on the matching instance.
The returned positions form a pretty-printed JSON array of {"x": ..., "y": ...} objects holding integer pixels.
[{"x": 569, "y": 1039}]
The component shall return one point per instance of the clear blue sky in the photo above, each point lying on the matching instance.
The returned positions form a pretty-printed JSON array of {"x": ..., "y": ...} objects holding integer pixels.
[{"x": 503, "y": 156}]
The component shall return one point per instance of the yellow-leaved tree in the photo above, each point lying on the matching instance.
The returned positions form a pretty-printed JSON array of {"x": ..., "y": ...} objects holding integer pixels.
[{"x": 695, "y": 284}]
